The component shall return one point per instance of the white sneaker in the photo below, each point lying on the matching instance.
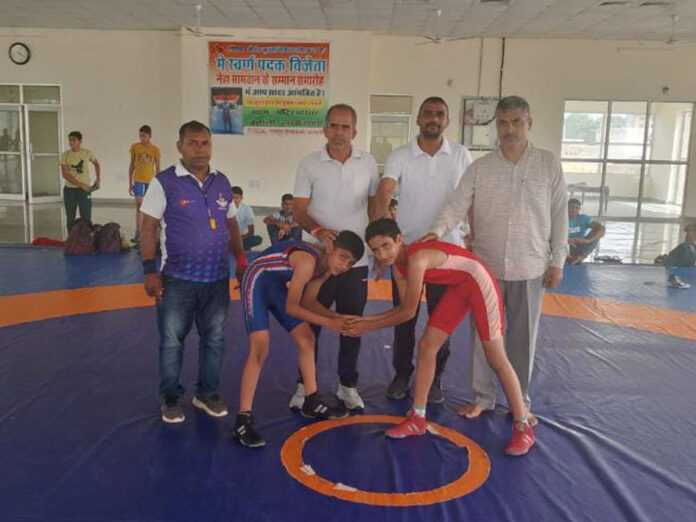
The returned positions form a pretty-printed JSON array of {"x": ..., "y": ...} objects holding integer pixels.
[
  {"x": 297, "y": 400},
  {"x": 350, "y": 397},
  {"x": 677, "y": 282}
]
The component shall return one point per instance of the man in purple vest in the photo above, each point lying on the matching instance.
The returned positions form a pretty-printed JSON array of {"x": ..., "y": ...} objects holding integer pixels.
[{"x": 192, "y": 205}]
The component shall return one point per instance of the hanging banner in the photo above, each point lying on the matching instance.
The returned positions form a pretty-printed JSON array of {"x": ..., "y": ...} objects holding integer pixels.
[{"x": 268, "y": 88}]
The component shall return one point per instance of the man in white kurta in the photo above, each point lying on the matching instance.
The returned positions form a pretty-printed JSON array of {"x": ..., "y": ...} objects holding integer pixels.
[{"x": 520, "y": 229}]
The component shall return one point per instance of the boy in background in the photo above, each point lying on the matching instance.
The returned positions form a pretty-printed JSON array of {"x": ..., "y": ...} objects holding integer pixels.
[
  {"x": 282, "y": 226},
  {"x": 245, "y": 218},
  {"x": 74, "y": 167},
  {"x": 144, "y": 164}
]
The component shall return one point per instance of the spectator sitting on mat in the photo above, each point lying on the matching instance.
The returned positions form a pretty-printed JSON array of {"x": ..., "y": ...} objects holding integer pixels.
[
  {"x": 584, "y": 233},
  {"x": 685, "y": 253},
  {"x": 245, "y": 218},
  {"x": 282, "y": 224}
]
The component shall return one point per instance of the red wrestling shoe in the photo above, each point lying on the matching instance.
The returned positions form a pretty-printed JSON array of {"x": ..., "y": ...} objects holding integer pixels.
[
  {"x": 522, "y": 439},
  {"x": 412, "y": 425}
]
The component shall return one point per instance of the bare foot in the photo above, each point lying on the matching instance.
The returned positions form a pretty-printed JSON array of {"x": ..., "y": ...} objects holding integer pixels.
[{"x": 470, "y": 411}]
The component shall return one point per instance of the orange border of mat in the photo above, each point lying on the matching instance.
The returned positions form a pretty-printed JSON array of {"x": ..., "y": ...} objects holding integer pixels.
[
  {"x": 27, "y": 308},
  {"x": 676, "y": 323},
  {"x": 472, "y": 479}
]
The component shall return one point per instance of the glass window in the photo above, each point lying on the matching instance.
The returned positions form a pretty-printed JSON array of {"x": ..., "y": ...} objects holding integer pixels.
[
  {"x": 390, "y": 104},
  {"x": 388, "y": 133},
  {"x": 390, "y": 125},
  {"x": 618, "y": 240},
  {"x": 43, "y": 94},
  {"x": 584, "y": 127},
  {"x": 655, "y": 239},
  {"x": 621, "y": 187},
  {"x": 584, "y": 182},
  {"x": 663, "y": 190},
  {"x": 9, "y": 93},
  {"x": 9, "y": 130},
  {"x": 669, "y": 131},
  {"x": 637, "y": 171},
  {"x": 10, "y": 174},
  {"x": 627, "y": 130}
]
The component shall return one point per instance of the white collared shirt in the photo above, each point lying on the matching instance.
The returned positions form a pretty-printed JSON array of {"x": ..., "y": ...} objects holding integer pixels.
[
  {"x": 520, "y": 213},
  {"x": 425, "y": 183},
  {"x": 155, "y": 202},
  {"x": 338, "y": 192},
  {"x": 245, "y": 218}
]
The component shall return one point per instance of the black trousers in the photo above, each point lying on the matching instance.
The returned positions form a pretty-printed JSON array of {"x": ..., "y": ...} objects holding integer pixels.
[
  {"x": 74, "y": 198},
  {"x": 405, "y": 335},
  {"x": 349, "y": 292}
]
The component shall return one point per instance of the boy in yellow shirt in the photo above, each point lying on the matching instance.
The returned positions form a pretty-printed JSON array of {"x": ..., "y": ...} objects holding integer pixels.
[{"x": 144, "y": 164}]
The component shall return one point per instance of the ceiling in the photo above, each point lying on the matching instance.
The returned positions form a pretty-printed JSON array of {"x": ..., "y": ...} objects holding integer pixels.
[{"x": 582, "y": 19}]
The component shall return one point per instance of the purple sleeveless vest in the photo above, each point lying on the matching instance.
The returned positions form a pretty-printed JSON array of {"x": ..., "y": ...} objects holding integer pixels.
[{"x": 194, "y": 249}]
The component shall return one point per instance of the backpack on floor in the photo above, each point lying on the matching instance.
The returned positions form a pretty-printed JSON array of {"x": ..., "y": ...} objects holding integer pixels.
[
  {"x": 80, "y": 240},
  {"x": 107, "y": 238}
]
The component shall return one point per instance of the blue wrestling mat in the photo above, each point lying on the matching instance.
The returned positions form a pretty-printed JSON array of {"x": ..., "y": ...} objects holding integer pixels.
[{"x": 81, "y": 437}]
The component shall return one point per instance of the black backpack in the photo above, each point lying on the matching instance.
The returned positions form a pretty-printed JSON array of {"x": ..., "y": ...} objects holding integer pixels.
[
  {"x": 107, "y": 239},
  {"x": 80, "y": 240}
]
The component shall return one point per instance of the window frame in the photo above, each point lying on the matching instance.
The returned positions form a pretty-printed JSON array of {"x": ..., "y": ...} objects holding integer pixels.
[{"x": 644, "y": 162}]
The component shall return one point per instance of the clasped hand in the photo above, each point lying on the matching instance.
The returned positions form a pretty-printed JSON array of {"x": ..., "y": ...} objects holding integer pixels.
[{"x": 350, "y": 325}]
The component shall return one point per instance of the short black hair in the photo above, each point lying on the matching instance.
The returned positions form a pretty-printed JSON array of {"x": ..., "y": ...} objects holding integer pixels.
[
  {"x": 344, "y": 107},
  {"x": 237, "y": 190},
  {"x": 145, "y": 129},
  {"x": 287, "y": 197},
  {"x": 192, "y": 126},
  {"x": 434, "y": 99},
  {"x": 574, "y": 200},
  {"x": 393, "y": 203},
  {"x": 350, "y": 241},
  {"x": 75, "y": 134},
  {"x": 382, "y": 227}
]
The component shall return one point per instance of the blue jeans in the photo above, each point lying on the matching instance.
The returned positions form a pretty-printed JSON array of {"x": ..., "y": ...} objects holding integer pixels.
[
  {"x": 182, "y": 303},
  {"x": 251, "y": 242}
]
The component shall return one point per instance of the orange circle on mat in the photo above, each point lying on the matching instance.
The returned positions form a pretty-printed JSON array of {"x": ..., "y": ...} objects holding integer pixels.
[{"x": 473, "y": 478}]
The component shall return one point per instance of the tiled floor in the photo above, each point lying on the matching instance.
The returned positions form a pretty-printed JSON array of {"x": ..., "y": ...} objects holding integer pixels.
[{"x": 20, "y": 223}]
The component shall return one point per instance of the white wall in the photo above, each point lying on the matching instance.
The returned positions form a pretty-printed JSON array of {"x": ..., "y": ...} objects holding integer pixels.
[
  {"x": 112, "y": 83},
  {"x": 114, "y": 80}
]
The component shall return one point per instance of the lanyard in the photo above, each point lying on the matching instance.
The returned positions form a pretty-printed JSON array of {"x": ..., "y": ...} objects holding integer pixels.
[{"x": 204, "y": 192}]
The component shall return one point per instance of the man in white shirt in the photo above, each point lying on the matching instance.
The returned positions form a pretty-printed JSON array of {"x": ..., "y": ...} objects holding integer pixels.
[
  {"x": 333, "y": 188},
  {"x": 426, "y": 171},
  {"x": 520, "y": 231},
  {"x": 245, "y": 218}
]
